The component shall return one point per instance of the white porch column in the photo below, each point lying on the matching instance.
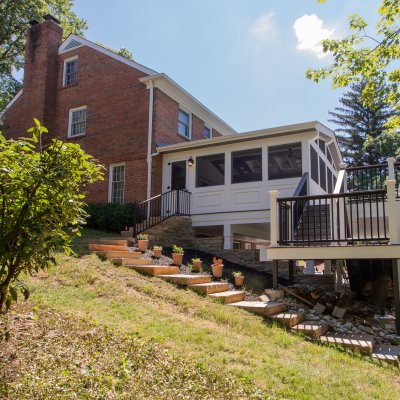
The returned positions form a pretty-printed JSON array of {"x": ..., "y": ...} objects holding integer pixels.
[
  {"x": 310, "y": 268},
  {"x": 392, "y": 211},
  {"x": 328, "y": 267},
  {"x": 228, "y": 237},
  {"x": 390, "y": 161},
  {"x": 273, "y": 205}
]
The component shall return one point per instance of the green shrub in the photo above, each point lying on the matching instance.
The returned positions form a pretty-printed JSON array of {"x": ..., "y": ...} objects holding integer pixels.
[{"x": 111, "y": 217}]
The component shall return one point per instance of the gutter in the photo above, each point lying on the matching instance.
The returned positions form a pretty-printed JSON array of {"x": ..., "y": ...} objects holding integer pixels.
[{"x": 150, "y": 140}]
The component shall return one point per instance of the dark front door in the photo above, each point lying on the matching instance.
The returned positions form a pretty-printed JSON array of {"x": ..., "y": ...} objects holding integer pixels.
[{"x": 178, "y": 175}]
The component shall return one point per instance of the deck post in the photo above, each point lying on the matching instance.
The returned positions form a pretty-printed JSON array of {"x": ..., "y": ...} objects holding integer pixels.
[
  {"x": 396, "y": 287},
  {"x": 291, "y": 272},
  {"x": 328, "y": 267},
  {"x": 392, "y": 211},
  {"x": 273, "y": 205},
  {"x": 310, "y": 267},
  {"x": 275, "y": 274},
  {"x": 228, "y": 237},
  {"x": 391, "y": 173}
]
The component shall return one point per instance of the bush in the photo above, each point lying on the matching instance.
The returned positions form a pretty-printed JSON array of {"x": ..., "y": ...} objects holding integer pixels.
[{"x": 111, "y": 217}]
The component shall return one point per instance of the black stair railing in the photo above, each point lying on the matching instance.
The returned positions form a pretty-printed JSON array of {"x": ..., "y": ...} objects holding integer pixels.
[{"x": 159, "y": 208}]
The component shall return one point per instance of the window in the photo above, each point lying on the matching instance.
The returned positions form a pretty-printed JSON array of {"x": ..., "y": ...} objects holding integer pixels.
[
  {"x": 210, "y": 170},
  {"x": 322, "y": 173},
  {"x": 70, "y": 71},
  {"x": 77, "y": 122},
  {"x": 184, "y": 124},
  {"x": 246, "y": 166},
  {"x": 207, "y": 132},
  {"x": 330, "y": 181},
  {"x": 117, "y": 183},
  {"x": 284, "y": 161},
  {"x": 314, "y": 165}
]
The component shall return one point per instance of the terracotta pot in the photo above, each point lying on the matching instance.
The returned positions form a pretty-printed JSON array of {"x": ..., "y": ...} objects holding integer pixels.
[
  {"x": 157, "y": 253},
  {"x": 239, "y": 280},
  {"x": 177, "y": 258},
  {"x": 217, "y": 270},
  {"x": 143, "y": 244},
  {"x": 196, "y": 266}
]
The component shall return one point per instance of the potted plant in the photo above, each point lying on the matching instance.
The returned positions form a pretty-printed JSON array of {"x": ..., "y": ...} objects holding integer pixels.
[
  {"x": 143, "y": 241},
  {"x": 177, "y": 254},
  {"x": 239, "y": 278},
  {"x": 217, "y": 266},
  {"x": 157, "y": 251},
  {"x": 196, "y": 264}
]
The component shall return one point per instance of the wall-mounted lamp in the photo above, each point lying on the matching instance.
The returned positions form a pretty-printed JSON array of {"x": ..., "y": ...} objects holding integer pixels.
[{"x": 190, "y": 161}]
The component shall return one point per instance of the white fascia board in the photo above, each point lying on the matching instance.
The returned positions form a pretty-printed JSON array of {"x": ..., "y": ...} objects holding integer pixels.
[
  {"x": 329, "y": 133},
  {"x": 185, "y": 99},
  {"x": 242, "y": 137},
  {"x": 109, "y": 53},
  {"x": 11, "y": 102}
]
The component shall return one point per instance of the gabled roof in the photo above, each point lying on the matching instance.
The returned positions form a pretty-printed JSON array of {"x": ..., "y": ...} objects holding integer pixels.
[
  {"x": 10, "y": 103},
  {"x": 73, "y": 42}
]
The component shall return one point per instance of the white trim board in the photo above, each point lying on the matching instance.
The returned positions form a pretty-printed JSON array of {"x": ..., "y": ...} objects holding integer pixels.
[
  {"x": 84, "y": 42},
  {"x": 11, "y": 102}
]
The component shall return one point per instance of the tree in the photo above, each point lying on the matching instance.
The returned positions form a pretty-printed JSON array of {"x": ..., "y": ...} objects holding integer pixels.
[
  {"x": 361, "y": 127},
  {"x": 361, "y": 57},
  {"x": 41, "y": 205},
  {"x": 14, "y": 21}
]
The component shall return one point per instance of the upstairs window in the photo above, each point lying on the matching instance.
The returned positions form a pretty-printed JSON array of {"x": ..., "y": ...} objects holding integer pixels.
[
  {"x": 184, "y": 124},
  {"x": 246, "y": 166},
  {"x": 70, "y": 71},
  {"x": 207, "y": 132},
  {"x": 77, "y": 122},
  {"x": 117, "y": 183},
  {"x": 284, "y": 161}
]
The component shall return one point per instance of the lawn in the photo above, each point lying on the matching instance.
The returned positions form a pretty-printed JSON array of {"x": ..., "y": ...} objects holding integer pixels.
[{"x": 204, "y": 333}]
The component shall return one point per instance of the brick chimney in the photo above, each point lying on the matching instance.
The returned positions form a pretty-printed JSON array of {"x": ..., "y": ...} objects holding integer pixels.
[{"x": 41, "y": 69}]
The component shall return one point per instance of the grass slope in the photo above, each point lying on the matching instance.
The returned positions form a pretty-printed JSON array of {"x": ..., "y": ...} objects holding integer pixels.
[{"x": 211, "y": 334}]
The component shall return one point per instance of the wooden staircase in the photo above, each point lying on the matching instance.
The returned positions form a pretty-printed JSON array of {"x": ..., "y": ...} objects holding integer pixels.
[{"x": 219, "y": 290}]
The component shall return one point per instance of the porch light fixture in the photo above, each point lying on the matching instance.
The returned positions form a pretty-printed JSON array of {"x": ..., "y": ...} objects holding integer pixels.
[{"x": 190, "y": 161}]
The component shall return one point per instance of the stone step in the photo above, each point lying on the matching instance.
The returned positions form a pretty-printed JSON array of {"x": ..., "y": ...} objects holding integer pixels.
[
  {"x": 107, "y": 247},
  {"x": 156, "y": 270},
  {"x": 209, "y": 288},
  {"x": 260, "y": 307},
  {"x": 111, "y": 240},
  {"x": 187, "y": 279},
  {"x": 386, "y": 353},
  {"x": 288, "y": 319},
  {"x": 313, "y": 329},
  {"x": 361, "y": 342},
  {"x": 131, "y": 262},
  {"x": 120, "y": 254},
  {"x": 231, "y": 296}
]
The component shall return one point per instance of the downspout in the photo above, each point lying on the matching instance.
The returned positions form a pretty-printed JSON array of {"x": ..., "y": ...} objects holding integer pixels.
[{"x": 150, "y": 141}]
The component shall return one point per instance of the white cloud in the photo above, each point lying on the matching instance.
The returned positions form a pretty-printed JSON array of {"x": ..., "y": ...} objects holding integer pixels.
[
  {"x": 264, "y": 28},
  {"x": 310, "y": 31}
]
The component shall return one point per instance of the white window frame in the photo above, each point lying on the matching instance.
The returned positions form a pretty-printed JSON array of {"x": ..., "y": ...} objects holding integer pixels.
[
  {"x": 190, "y": 123},
  {"x": 110, "y": 181},
  {"x": 71, "y": 111},
  {"x": 211, "y": 131},
  {"x": 67, "y": 60}
]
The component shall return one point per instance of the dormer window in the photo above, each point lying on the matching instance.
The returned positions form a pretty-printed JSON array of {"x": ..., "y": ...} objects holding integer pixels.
[{"x": 70, "y": 71}]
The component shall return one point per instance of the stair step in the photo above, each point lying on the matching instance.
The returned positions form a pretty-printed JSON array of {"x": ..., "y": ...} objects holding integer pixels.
[
  {"x": 288, "y": 319},
  {"x": 261, "y": 308},
  {"x": 231, "y": 296},
  {"x": 111, "y": 240},
  {"x": 313, "y": 329},
  {"x": 386, "y": 353},
  {"x": 187, "y": 279},
  {"x": 131, "y": 262},
  {"x": 156, "y": 270},
  {"x": 107, "y": 247},
  {"x": 120, "y": 254},
  {"x": 362, "y": 342},
  {"x": 210, "y": 287}
]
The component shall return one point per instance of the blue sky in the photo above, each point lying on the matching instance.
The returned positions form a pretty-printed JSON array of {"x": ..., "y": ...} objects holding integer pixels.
[{"x": 244, "y": 59}]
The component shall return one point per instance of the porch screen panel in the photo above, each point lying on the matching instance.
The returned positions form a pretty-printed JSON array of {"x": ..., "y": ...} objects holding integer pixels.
[
  {"x": 330, "y": 180},
  {"x": 210, "y": 170},
  {"x": 322, "y": 173},
  {"x": 246, "y": 166},
  {"x": 314, "y": 165},
  {"x": 285, "y": 161}
]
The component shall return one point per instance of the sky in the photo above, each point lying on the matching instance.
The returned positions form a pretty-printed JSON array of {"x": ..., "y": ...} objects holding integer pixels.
[{"x": 243, "y": 59}]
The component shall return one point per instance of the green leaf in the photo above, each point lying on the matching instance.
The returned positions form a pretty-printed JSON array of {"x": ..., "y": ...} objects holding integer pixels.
[{"x": 13, "y": 293}]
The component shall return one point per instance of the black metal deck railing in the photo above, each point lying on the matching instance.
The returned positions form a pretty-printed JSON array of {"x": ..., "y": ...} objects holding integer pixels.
[
  {"x": 159, "y": 208},
  {"x": 355, "y": 218}
]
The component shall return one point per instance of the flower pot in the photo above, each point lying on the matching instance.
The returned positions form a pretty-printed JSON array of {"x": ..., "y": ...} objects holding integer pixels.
[
  {"x": 217, "y": 270},
  {"x": 177, "y": 258},
  {"x": 196, "y": 266},
  {"x": 239, "y": 280},
  {"x": 143, "y": 244},
  {"x": 157, "y": 253}
]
